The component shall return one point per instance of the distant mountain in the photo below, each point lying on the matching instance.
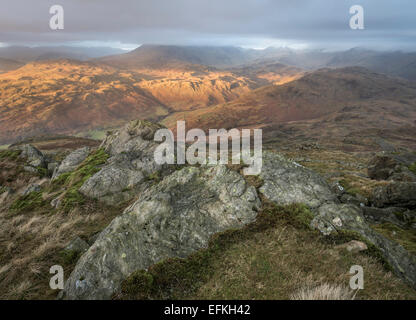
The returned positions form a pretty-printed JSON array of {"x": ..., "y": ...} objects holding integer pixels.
[
  {"x": 395, "y": 63},
  {"x": 8, "y": 64},
  {"x": 70, "y": 97},
  {"x": 165, "y": 56},
  {"x": 67, "y": 96},
  {"x": 352, "y": 99},
  {"x": 187, "y": 57},
  {"x": 27, "y": 54}
]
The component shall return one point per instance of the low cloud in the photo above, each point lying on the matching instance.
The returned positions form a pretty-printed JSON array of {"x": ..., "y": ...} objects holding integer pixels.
[{"x": 253, "y": 23}]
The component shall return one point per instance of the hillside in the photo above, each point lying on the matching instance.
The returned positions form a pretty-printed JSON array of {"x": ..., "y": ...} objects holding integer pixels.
[
  {"x": 124, "y": 227},
  {"x": 165, "y": 56},
  {"x": 73, "y": 97},
  {"x": 350, "y": 98},
  {"x": 69, "y": 96},
  {"x": 28, "y": 54},
  {"x": 8, "y": 64}
]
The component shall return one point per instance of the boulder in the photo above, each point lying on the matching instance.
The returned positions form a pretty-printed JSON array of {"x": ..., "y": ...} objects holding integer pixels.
[
  {"x": 381, "y": 167},
  {"x": 380, "y": 215},
  {"x": 52, "y": 166},
  {"x": 32, "y": 155},
  {"x": 76, "y": 246},
  {"x": 116, "y": 182},
  {"x": 34, "y": 187},
  {"x": 353, "y": 246},
  {"x": 71, "y": 161},
  {"x": 286, "y": 182},
  {"x": 170, "y": 219},
  {"x": 391, "y": 167},
  {"x": 395, "y": 194},
  {"x": 131, "y": 164},
  {"x": 135, "y": 137},
  {"x": 332, "y": 218}
]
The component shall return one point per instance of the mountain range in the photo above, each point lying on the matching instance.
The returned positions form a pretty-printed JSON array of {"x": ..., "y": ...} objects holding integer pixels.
[{"x": 315, "y": 93}]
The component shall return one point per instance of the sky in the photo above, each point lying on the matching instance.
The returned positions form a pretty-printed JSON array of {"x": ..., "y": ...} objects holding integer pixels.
[{"x": 324, "y": 24}]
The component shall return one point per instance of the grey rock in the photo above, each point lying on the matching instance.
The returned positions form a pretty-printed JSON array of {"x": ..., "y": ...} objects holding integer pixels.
[
  {"x": 170, "y": 219},
  {"x": 34, "y": 157},
  {"x": 378, "y": 215},
  {"x": 395, "y": 194},
  {"x": 30, "y": 169},
  {"x": 392, "y": 167},
  {"x": 287, "y": 182},
  {"x": 114, "y": 183},
  {"x": 353, "y": 246},
  {"x": 71, "y": 161},
  {"x": 34, "y": 187},
  {"x": 56, "y": 202},
  {"x": 77, "y": 246},
  {"x": 131, "y": 163},
  {"x": 135, "y": 137},
  {"x": 337, "y": 188},
  {"x": 332, "y": 218},
  {"x": 52, "y": 166}
]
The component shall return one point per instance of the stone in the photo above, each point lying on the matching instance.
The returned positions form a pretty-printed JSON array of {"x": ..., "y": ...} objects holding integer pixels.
[
  {"x": 51, "y": 168},
  {"x": 173, "y": 218},
  {"x": 353, "y": 246},
  {"x": 32, "y": 155},
  {"x": 34, "y": 187},
  {"x": 395, "y": 194},
  {"x": 30, "y": 169},
  {"x": 71, "y": 161},
  {"x": 130, "y": 166},
  {"x": 77, "y": 246},
  {"x": 381, "y": 167},
  {"x": 402, "y": 262},
  {"x": 391, "y": 167},
  {"x": 286, "y": 182},
  {"x": 378, "y": 215}
]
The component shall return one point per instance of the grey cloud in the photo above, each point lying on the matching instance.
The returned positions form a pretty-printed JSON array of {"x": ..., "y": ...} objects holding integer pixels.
[{"x": 312, "y": 22}]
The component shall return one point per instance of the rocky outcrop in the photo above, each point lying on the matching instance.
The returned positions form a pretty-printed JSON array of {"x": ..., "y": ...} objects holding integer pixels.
[
  {"x": 353, "y": 246},
  {"x": 71, "y": 161},
  {"x": 130, "y": 166},
  {"x": 391, "y": 167},
  {"x": 380, "y": 215},
  {"x": 395, "y": 194},
  {"x": 177, "y": 213},
  {"x": 76, "y": 246},
  {"x": 332, "y": 218},
  {"x": 33, "y": 156},
  {"x": 287, "y": 182},
  {"x": 170, "y": 219}
]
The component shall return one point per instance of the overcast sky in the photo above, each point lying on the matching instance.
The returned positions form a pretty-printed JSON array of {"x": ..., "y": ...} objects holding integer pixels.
[{"x": 389, "y": 24}]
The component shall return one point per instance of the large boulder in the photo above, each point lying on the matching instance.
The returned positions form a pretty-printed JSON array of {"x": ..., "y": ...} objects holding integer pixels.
[
  {"x": 332, "y": 218},
  {"x": 71, "y": 161},
  {"x": 33, "y": 156},
  {"x": 391, "y": 167},
  {"x": 395, "y": 194},
  {"x": 131, "y": 164},
  {"x": 135, "y": 137},
  {"x": 118, "y": 181},
  {"x": 170, "y": 219},
  {"x": 286, "y": 182}
]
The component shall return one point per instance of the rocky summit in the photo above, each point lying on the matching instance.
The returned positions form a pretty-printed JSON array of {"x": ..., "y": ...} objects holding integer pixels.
[
  {"x": 139, "y": 214},
  {"x": 177, "y": 213}
]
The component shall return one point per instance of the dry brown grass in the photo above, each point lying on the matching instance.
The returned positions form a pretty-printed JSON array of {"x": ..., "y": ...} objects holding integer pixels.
[
  {"x": 31, "y": 242},
  {"x": 283, "y": 261},
  {"x": 323, "y": 292}
]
